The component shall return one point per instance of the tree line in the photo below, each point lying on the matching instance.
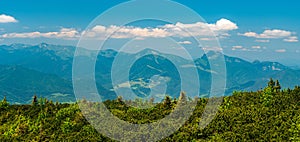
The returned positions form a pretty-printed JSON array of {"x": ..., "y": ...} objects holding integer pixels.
[{"x": 269, "y": 114}]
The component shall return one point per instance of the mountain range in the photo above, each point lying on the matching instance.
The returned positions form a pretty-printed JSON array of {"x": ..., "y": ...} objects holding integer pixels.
[{"x": 46, "y": 70}]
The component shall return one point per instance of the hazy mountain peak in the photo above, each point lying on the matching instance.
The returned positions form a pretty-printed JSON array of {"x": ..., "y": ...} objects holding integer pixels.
[
  {"x": 149, "y": 51},
  {"x": 109, "y": 53},
  {"x": 43, "y": 45},
  {"x": 18, "y": 46}
]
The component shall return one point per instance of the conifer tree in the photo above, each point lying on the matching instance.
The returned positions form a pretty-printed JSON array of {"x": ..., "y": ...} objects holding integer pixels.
[
  {"x": 4, "y": 103},
  {"x": 151, "y": 101},
  {"x": 34, "y": 100},
  {"x": 4, "y": 100},
  {"x": 182, "y": 97},
  {"x": 175, "y": 101},
  {"x": 119, "y": 99},
  {"x": 167, "y": 102},
  {"x": 277, "y": 86},
  {"x": 271, "y": 84}
]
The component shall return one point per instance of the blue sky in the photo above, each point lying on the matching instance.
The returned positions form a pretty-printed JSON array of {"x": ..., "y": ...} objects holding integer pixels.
[{"x": 265, "y": 30}]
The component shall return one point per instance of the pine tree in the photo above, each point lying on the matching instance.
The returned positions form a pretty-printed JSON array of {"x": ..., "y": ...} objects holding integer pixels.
[
  {"x": 51, "y": 103},
  {"x": 168, "y": 102},
  {"x": 271, "y": 84},
  {"x": 277, "y": 86},
  {"x": 119, "y": 99},
  {"x": 4, "y": 100},
  {"x": 182, "y": 97},
  {"x": 151, "y": 101},
  {"x": 4, "y": 103},
  {"x": 175, "y": 101},
  {"x": 268, "y": 93},
  {"x": 35, "y": 100}
]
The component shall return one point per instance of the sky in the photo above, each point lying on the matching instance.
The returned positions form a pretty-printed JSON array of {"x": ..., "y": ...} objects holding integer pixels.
[{"x": 252, "y": 30}]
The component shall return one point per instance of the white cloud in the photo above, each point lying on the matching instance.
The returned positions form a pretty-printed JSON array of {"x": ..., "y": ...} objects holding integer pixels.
[
  {"x": 220, "y": 28},
  {"x": 237, "y": 47},
  {"x": 207, "y": 39},
  {"x": 64, "y": 33},
  {"x": 256, "y": 47},
  {"x": 269, "y": 34},
  {"x": 288, "y": 36},
  {"x": 291, "y": 39},
  {"x": 113, "y": 31},
  {"x": 241, "y": 48},
  {"x": 7, "y": 19},
  {"x": 223, "y": 25},
  {"x": 275, "y": 34},
  {"x": 280, "y": 50},
  {"x": 203, "y": 30},
  {"x": 262, "y": 40},
  {"x": 184, "y": 42},
  {"x": 212, "y": 49}
]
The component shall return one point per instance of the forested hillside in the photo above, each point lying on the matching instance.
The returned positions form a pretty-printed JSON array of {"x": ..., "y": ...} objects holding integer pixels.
[{"x": 270, "y": 114}]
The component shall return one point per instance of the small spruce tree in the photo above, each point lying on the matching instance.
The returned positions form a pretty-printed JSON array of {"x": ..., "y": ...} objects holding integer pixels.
[
  {"x": 151, "y": 101},
  {"x": 182, "y": 97},
  {"x": 119, "y": 99},
  {"x": 271, "y": 84},
  {"x": 168, "y": 102},
  {"x": 34, "y": 100},
  {"x": 4, "y": 103},
  {"x": 277, "y": 86}
]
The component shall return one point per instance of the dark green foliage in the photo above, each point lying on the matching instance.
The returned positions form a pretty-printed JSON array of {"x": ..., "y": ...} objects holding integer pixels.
[
  {"x": 295, "y": 129},
  {"x": 277, "y": 86},
  {"x": 34, "y": 100},
  {"x": 3, "y": 104},
  {"x": 271, "y": 83},
  {"x": 265, "y": 115},
  {"x": 168, "y": 102},
  {"x": 119, "y": 99}
]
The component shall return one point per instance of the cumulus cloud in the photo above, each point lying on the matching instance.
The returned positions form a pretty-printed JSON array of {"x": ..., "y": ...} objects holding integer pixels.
[
  {"x": 288, "y": 36},
  {"x": 212, "y": 49},
  {"x": 291, "y": 39},
  {"x": 184, "y": 42},
  {"x": 119, "y": 32},
  {"x": 269, "y": 34},
  {"x": 207, "y": 38},
  {"x": 252, "y": 49},
  {"x": 199, "y": 29},
  {"x": 262, "y": 40},
  {"x": 223, "y": 25},
  {"x": 236, "y": 47},
  {"x": 220, "y": 28},
  {"x": 280, "y": 50},
  {"x": 65, "y": 33},
  {"x": 7, "y": 19},
  {"x": 256, "y": 47}
]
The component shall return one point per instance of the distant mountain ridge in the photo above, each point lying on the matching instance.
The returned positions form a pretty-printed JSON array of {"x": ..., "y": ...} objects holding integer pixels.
[
  {"x": 19, "y": 85},
  {"x": 53, "y": 64}
]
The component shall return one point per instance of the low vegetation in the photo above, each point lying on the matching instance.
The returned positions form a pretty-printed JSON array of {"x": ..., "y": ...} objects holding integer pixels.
[{"x": 270, "y": 114}]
